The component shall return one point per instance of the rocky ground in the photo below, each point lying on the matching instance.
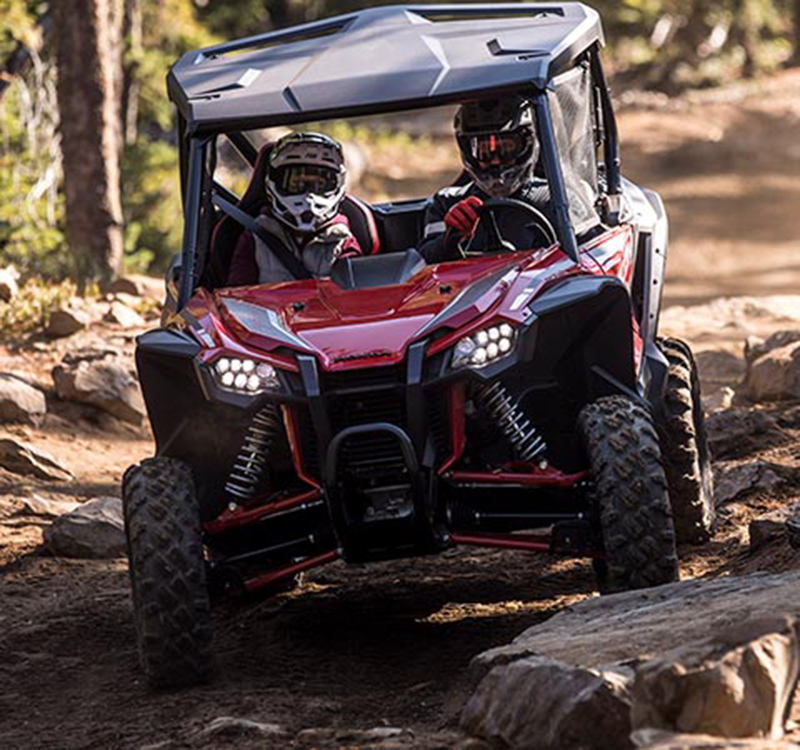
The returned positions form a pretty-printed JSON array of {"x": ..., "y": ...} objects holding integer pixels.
[{"x": 379, "y": 655}]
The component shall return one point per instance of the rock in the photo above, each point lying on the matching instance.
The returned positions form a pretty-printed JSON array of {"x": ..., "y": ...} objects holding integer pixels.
[
  {"x": 20, "y": 402},
  {"x": 736, "y": 432},
  {"x": 719, "y": 366},
  {"x": 95, "y": 530},
  {"x": 27, "y": 460},
  {"x": 755, "y": 347},
  {"x": 735, "y": 481},
  {"x": 66, "y": 321},
  {"x": 138, "y": 285},
  {"x": 9, "y": 276},
  {"x": 719, "y": 399},
  {"x": 103, "y": 379},
  {"x": 42, "y": 506},
  {"x": 230, "y": 728},
  {"x": 775, "y": 376},
  {"x": 792, "y": 524},
  {"x": 543, "y": 703},
  {"x": 658, "y": 739},
  {"x": 378, "y": 737},
  {"x": 634, "y": 625},
  {"x": 762, "y": 531},
  {"x": 123, "y": 315},
  {"x": 738, "y": 682}
]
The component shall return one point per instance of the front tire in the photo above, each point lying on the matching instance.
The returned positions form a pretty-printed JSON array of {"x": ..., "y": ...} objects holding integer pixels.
[
  {"x": 687, "y": 459},
  {"x": 171, "y": 606},
  {"x": 629, "y": 495}
]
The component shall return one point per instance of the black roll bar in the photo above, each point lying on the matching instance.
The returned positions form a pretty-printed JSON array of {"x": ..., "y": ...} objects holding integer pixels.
[
  {"x": 191, "y": 214},
  {"x": 611, "y": 141}
]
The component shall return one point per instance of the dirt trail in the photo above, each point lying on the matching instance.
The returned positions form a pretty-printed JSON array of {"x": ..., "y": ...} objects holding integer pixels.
[{"x": 387, "y": 645}]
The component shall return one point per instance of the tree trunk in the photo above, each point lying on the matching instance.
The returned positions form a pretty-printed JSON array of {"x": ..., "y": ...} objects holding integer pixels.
[
  {"x": 89, "y": 89},
  {"x": 132, "y": 41},
  {"x": 796, "y": 39}
]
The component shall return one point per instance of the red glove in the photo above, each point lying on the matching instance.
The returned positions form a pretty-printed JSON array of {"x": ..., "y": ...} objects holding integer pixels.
[{"x": 462, "y": 217}]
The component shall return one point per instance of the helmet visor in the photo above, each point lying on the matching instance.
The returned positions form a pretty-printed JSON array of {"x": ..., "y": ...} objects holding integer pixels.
[
  {"x": 488, "y": 149},
  {"x": 297, "y": 179}
]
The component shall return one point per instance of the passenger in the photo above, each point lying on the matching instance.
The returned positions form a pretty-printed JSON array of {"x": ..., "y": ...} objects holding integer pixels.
[
  {"x": 499, "y": 150},
  {"x": 305, "y": 187}
]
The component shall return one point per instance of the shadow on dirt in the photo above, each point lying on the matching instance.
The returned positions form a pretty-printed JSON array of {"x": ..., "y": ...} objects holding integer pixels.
[{"x": 330, "y": 646}]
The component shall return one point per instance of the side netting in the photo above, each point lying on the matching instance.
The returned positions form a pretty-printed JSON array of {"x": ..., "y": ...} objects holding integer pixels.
[{"x": 571, "y": 107}]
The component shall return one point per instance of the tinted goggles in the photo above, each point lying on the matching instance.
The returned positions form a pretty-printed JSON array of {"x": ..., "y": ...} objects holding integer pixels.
[
  {"x": 498, "y": 148},
  {"x": 296, "y": 179}
]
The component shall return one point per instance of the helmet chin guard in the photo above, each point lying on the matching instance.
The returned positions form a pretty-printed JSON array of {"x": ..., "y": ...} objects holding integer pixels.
[{"x": 306, "y": 181}]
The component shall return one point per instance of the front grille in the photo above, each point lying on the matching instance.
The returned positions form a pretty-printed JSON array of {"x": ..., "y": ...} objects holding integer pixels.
[
  {"x": 368, "y": 378},
  {"x": 367, "y": 396}
]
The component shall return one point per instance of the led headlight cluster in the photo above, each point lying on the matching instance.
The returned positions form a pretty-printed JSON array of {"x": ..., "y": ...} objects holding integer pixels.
[
  {"x": 245, "y": 375},
  {"x": 484, "y": 347}
]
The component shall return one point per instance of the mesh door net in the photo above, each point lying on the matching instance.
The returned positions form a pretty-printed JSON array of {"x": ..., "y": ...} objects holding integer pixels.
[{"x": 572, "y": 112}]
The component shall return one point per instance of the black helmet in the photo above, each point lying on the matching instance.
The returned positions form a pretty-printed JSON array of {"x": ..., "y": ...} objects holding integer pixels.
[{"x": 498, "y": 144}]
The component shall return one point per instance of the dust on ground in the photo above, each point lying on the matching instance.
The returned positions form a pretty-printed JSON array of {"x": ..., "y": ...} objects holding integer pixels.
[{"x": 388, "y": 644}]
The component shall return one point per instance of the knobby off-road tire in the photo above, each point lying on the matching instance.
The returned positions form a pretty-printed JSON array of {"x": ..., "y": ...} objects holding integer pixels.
[
  {"x": 684, "y": 445},
  {"x": 629, "y": 494},
  {"x": 171, "y": 606}
]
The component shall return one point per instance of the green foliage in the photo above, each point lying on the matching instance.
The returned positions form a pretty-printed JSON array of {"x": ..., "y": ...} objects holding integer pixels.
[
  {"x": 30, "y": 309},
  {"x": 153, "y": 219},
  {"x": 17, "y": 24},
  {"x": 31, "y": 205}
]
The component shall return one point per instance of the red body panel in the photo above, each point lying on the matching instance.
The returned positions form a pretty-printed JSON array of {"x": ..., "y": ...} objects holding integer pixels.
[{"x": 348, "y": 328}]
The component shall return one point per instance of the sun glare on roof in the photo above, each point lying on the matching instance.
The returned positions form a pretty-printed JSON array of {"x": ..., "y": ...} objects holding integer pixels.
[
  {"x": 257, "y": 44},
  {"x": 445, "y": 15}
]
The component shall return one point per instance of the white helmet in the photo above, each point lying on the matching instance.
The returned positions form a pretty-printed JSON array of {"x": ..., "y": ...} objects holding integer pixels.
[
  {"x": 305, "y": 180},
  {"x": 498, "y": 143}
]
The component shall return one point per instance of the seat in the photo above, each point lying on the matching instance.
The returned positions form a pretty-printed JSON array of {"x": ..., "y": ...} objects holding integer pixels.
[{"x": 227, "y": 230}]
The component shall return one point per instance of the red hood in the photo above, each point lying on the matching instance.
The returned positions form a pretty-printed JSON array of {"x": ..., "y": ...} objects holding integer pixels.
[{"x": 346, "y": 328}]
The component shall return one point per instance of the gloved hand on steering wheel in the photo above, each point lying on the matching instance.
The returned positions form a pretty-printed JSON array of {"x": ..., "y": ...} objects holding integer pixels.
[{"x": 463, "y": 217}]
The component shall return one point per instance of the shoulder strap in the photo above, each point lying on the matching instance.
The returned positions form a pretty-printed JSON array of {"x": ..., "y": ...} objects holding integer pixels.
[{"x": 286, "y": 257}]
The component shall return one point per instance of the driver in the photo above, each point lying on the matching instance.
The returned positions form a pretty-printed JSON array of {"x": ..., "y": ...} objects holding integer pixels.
[
  {"x": 499, "y": 150},
  {"x": 305, "y": 189}
]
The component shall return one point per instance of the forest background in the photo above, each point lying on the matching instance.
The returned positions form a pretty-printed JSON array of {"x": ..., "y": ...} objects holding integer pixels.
[{"x": 88, "y": 156}]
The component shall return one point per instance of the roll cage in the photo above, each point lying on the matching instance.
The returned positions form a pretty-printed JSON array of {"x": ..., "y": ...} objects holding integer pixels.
[{"x": 531, "y": 48}]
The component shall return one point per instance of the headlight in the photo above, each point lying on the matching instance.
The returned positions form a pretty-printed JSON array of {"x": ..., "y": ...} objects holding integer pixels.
[
  {"x": 244, "y": 375},
  {"x": 484, "y": 347}
]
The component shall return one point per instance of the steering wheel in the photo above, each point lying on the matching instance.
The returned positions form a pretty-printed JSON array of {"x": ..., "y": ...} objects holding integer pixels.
[{"x": 535, "y": 219}]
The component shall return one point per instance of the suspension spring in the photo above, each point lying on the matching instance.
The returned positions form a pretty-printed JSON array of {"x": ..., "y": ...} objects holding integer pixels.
[
  {"x": 253, "y": 457},
  {"x": 516, "y": 427}
]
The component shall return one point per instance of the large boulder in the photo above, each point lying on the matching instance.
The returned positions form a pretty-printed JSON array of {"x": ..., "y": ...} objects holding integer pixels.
[
  {"x": 705, "y": 657},
  {"x": 20, "y": 402},
  {"x": 735, "y": 683},
  {"x": 95, "y": 529},
  {"x": 543, "y": 703},
  {"x": 28, "y": 460},
  {"x": 658, "y": 739},
  {"x": 101, "y": 378}
]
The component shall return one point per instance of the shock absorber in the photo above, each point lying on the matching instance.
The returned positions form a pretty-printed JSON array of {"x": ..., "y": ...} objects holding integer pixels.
[
  {"x": 253, "y": 457},
  {"x": 516, "y": 427}
]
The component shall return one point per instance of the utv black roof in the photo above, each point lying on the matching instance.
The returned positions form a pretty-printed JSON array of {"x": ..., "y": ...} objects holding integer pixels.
[{"x": 379, "y": 60}]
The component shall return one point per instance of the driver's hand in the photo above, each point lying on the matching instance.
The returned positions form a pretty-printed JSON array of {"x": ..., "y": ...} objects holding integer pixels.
[{"x": 463, "y": 217}]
